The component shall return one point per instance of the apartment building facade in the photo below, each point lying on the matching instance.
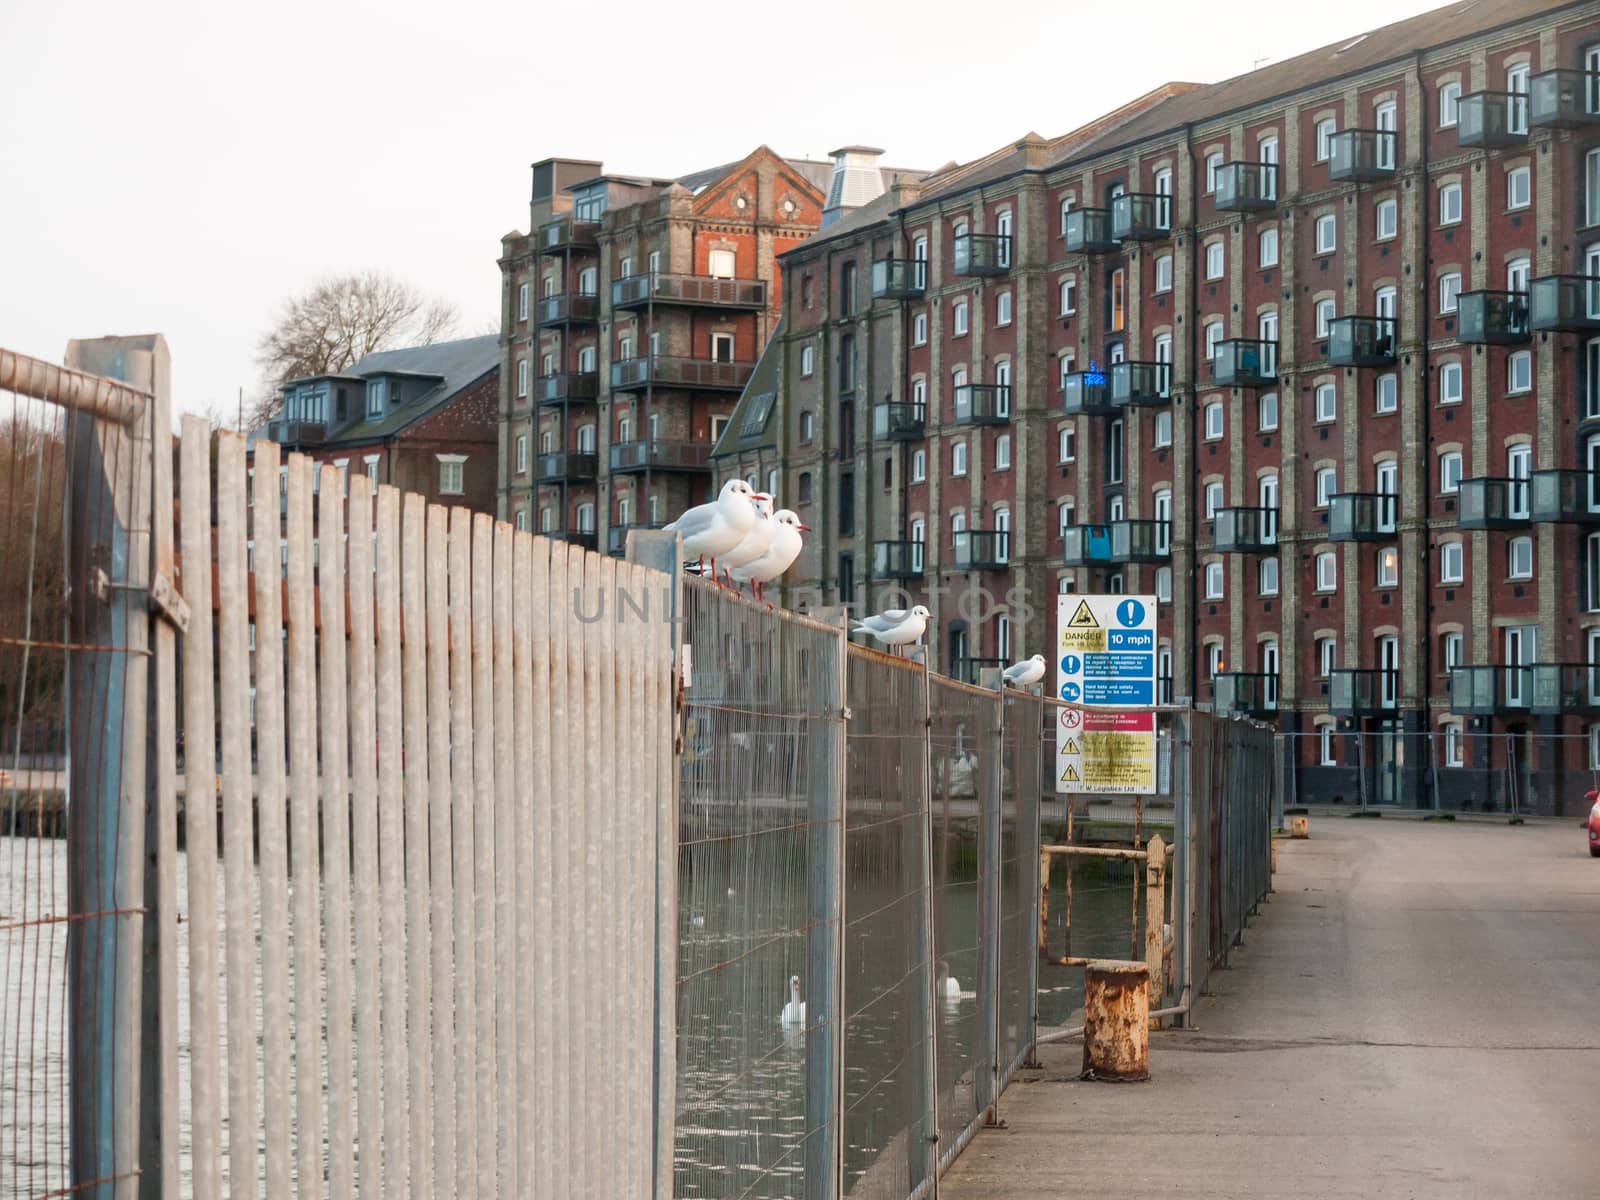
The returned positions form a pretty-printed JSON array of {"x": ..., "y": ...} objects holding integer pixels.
[{"x": 1309, "y": 354}]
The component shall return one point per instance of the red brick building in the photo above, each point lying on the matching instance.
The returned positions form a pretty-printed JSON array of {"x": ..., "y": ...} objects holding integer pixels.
[{"x": 1310, "y": 354}]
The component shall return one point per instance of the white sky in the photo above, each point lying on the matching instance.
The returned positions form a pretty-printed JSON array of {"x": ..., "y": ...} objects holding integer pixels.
[{"x": 182, "y": 166}]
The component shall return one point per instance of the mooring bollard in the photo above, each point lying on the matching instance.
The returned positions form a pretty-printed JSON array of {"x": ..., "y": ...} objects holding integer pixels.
[
  {"x": 1299, "y": 827},
  {"x": 1116, "y": 1020}
]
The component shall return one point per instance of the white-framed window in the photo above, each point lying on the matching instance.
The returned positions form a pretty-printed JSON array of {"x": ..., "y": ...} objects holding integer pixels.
[
  {"x": 371, "y": 461},
  {"x": 1164, "y": 596},
  {"x": 1213, "y": 165},
  {"x": 1519, "y": 558},
  {"x": 1213, "y": 340},
  {"x": 958, "y": 318},
  {"x": 1214, "y": 659},
  {"x": 808, "y": 425},
  {"x": 1327, "y": 486},
  {"x": 1449, "y": 95},
  {"x": 1591, "y": 572},
  {"x": 1517, "y": 85},
  {"x": 1162, "y": 436},
  {"x": 958, "y": 458},
  {"x": 1213, "y": 420},
  {"x": 1594, "y": 743},
  {"x": 1325, "y": 130},
  {"x": 1119, "y": 300},
  {"x": 1325, "y": 315},
  {"x": 1449, "y": 290},
  {"x": 547, "y": 519},
  {"x": 1327, "y": 403},
  {"x": 522, "y": 377},
  {"x": 808, "y": 359},
  {"x": 1518, "y": 272},
  {"x": 1114, "y": 433},
  {"x": 958, "y": 524},
  {"x": 1327, "y": 571},
  {"x": 586, "y": 360},
  {"x": 1214, "y": 500},
  {"x": 1066, "y": 516},
  {"x": 919, "y": 394},
  {"x": 1519, "y": 187},
  {"x": 1002, "y": 309},
  {"x": 1163, "y": 273},
  {"x": 1214, "y": 581},
  {"x": 721, "y": 347},
  {"x": 1267, "y": 576},
  {"x": 588, "y": 279},
  {"x": 586, "y": 438},
  {"x": 1066, "y": 364},
  {"x": 1002, "y": 452},
  {"x": 522, "y": 454},
  {"x": 1067, "y": 444},
  {"x": 1519, "y": 371},
  {"x": 1325, "y": 745},
  {"x": 1450, "y": 383},
  {"x": 1450, "y": 472},
  {"x": 1450, "y": 204},
  {"x": 1267, "y": 412},
  {"x": 522, "y": 303},
  {"x": 1163, "y": 517},
  {"x": 1387, "y": 223},
  {"x": 1388, "y": 558},
  {"x": 1450, "y": 562},
  {"x": 452, "y": 474},
  {"x": 586, "y": 517},
  {"x": 1068, "y": 294},
  {"x": 1327, "y": 656},
  {"x": 625, "y": 269},
  {"x": 919, "y": 466},
  {"x": 919, "y": 329},
  {"x": 1591, "y": 187},
  {"x": 521, "y": 520},
  {"x": 654, "y": 262},
  {"x": 1214, "y": 260},
  {"x": 1267, "y": 247},
  {"x": 1327, "y": 233},
  {"x": 1388, "y": 393},
  {"x": 1452, "y": 744},
  {"x": 1451, "y": 651}
]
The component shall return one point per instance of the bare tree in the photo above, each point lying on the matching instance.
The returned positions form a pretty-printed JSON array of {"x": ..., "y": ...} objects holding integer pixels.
[{"x": 341, "y": 320}]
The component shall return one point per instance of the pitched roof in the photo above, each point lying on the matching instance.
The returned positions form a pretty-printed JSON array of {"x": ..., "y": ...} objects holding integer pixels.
[{"x": 751, "y": 427}]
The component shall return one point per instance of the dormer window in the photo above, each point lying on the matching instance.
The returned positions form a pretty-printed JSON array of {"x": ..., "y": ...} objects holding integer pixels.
[
  {"x": 375, "y": 398},
  {"x": 394, "y": 393}
]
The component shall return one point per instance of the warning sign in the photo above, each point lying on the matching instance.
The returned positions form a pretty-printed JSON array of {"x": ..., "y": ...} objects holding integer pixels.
[
  {"x": 1114, "y": 754},
  {"x": 1083, "y": 618},
  {"x": 1106, "y": 659}
]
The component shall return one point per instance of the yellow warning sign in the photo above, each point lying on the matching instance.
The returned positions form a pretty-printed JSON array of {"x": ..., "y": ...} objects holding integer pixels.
[
  {"x": 1084, "y": 641},
  {"x": 1071, "y": 746},
  {"x": 1083, "y": 618},
  {"x": 1070, "y": 775}
]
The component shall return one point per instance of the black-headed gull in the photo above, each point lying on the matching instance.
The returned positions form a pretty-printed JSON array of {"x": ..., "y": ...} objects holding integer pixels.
[
  {"x": 1025, "y": 673},
  {"x": 794, "y": 1012},
  {"x": 715, "y": 528},
  {"x": 896, "y": 627},
  {"x": 780, "y": 555},
  {"x": 756, "y": 542}
]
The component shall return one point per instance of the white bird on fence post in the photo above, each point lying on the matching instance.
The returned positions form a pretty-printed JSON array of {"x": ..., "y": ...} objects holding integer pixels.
[
  {"x": 756, "y": 542},
  {"x": 897, "y": 626},
  {"x": 780, "y": 555},
  {"x": 1025, "y": 673},
  {"x": 715, "y": 528}
]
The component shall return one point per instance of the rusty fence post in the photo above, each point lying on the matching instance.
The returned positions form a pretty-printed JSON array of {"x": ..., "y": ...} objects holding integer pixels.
[{"x": 1155, "y": 885}]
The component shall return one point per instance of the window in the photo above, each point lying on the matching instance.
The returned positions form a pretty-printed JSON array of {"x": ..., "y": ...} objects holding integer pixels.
[
  {"x": 1069, "y": 295},
  {"x": 1269, "y": 247},
  {"x": 586, "y": 437},
  {"x": 808, "y": 425},
  {"x": 586, "y": 517},
  {"x": 1327, "y": 656},
  {"x": 847, "y": 363},
  {"x": 1002, "y": 309},
  {"x": 919, "y": 329},
  {"x": 522, "y": 303},
  {"x": 1327, "y": 571},
  {"x": 722, "y": 347},
  {"x": 1327, "y": 233},
  {"x": 452, "y": 473},
  {"x": 1002, "y": 452},
  {"x": 1066, "y": 516},
  {"x": 1450, "y": 651},
  {"x": 1388, "y": 389},
  {"x": 1388, "y": 566},
  {"x": 1449, "y": 289},
  {"x": 1213, "y": 420},
  {"x": 654, "y": 262},
  {"x": 1114, "y": 453},
  {"x": 1325, "y": 746},
  {"x": 1268, "y": 576},
  {"x": 958, "y": 458},
  {"x": 1450, "y": 472},
  {"x": 371, "y": 462},
  {"x": 1327, "y": 486},
  {"x": 522, "y": 454},
  {"x": 1213, "y": 165},
  {"x": 1591, "y": 187},
  {"x": 1267, "y": 412},
  {"x": 807, "y": 359},
  {"x": 1214, "y": 264},
  {"x": 1519, "y": 371},
  {"x": 1119, "y": 300},
  {"x": 919, "y": 395},
  {"x": 1067, "y": 205},
  {"x": 1267, "y": 155},
  {"x": 1450, "y": 562},
  {"x": 1214, "y": 499},
  {"x": 958, "y": 317},
  {"x": 1450, "y": 383},
  {"x": 1325, "y": 315},
  {"x": 624, "y": 349},
  {"x": 805, "y": 486},
  {"x": 1452, "y": 743},
  {"x": 1519, "y": 554},
  {"x": 1164, "y": 596},
  {"x": 588, "y": 278},
  {"x": 1449, "y": 94},
  {"x": 1213, "y": 340},
  {"x": 1388, "y": 220},
  {"x": 1325, "y": 131},
  {"x": 1213, "y": 660},
  {"x": 1214, "y": 581},
  {"x": 586, "y": 360},
  {"x": 375, "y": 398},
  {"x": 1163, "y": 516},
  {"x": 1519, "y": 187},
  {"x": 1163, "y": 430},
  {"x": 1164, "y": 273},
  {"x": 522, "y": 520},
  {"x": 547, "y": 520},
  {"x": 847, "y": 289},
  {"x": 1327, "y": 403},
  {"x": 522, "y": 377},
  {"x": 1067, "y": 444},
  {"x": 1450, "y": 204}
]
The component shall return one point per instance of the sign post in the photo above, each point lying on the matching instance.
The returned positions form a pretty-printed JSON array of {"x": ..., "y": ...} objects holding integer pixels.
[{"x": 1106, "y": 657}]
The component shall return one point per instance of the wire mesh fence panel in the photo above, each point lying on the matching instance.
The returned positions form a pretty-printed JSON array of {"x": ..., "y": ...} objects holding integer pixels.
[
  {"x": 889, "y": 1044},
  {"x": 1024, "y": 762},
  {"x": 759, "y": 760}
]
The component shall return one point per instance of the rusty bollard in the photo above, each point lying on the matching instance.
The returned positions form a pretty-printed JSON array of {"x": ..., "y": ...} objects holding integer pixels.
[{"x": 1116, "y": 1020}]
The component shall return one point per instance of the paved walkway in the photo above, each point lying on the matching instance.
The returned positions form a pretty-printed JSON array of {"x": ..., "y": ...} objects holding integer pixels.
[{"x": 1416, "y": 1013}]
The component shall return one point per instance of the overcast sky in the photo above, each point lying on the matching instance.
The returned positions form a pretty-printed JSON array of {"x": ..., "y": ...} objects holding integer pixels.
[{"x": 183, "y": 166}]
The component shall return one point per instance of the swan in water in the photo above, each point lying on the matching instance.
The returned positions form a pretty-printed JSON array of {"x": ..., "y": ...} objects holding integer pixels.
[
  {"x": 794, "y": 1012},
  {"x": 946, "y": 987}
]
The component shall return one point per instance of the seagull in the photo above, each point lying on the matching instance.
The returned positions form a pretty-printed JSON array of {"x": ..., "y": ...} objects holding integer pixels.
[
  {"x": 780, "y": 555},
  {"x": 1024, "y": 674},
  {"x": 794, "y": 1012},
  {"x": 756, "y": 542},
  {"x": 947, "y": 986},
  {"x": 715, "y": 528},
  {"x": 896, "y": 627}
]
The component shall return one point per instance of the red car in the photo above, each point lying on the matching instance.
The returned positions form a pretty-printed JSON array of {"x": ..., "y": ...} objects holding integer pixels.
[{"x": 1594, "y": 823}]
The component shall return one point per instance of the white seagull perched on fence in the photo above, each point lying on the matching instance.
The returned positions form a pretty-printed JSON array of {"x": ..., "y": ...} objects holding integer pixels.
[
  {"x": 780, "y": 555},
  {"x": 756, "y": 542},
  {"x": 715, "y": 528},
  {"x": 898, "y": 626},
  {"x": 1025, "y": 673}
]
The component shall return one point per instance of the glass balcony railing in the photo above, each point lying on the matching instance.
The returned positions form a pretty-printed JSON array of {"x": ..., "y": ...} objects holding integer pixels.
[
  {"x": 982, "y": 549},
  {"x": 1487, "y": 690},
  {"x": 1141, "y": 217},
  {"x": 1566, "y": 689},
  {"x": 1362, "y": 692},
  {"x": 1362, "y": 516},
  {"x": 1085, "y": 392},
  {"x": 1246, "y": 187},
  {"x": 291, "y": 433},
  {"x": 1115, "y": 543},
  {"x": 566, "y": 468},
  {"x": 1362, "y": 155},
  {"x": 1253, "y": 693},
  {"x": 897, "y": 560},
  {"x": 708, "y": 291},
  {"x": 1565, "y": 497},
  {"x": 1492, "y": 120},
  {"x": 899, "y": 278},
  {"x": 983, "y": 404},
  {"x": 568, "y": 308},
  {"x": 1564, "y": 99},
  {"x": 1492, "y": 318},
  {"x": 1088, "y": 231},
  {"x": 1245, "y": 530},
  {"x": 1361, "y": 342},
  {"x": 898, "y": 422},
  {"x": 981, "y": 254},
  {"x": 1564, "y": 304},
  {"x": 1486, "y": 503},
  {"x": 652, "y": 454},
  {"x": 576, "y": 387},
  {"x": 1245, "y": 363},
  {"x": 1141, "y": 383}
]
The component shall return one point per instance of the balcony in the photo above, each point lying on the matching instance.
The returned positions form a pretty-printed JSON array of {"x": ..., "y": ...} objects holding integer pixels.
[
  {"x": 983, "y": 404},
  {"x": 1140, "y": 384},
  {"x": 1362, "y": 517},
  {"x": 617, "y": 537},
  {"x": 981, "y": 254},
  {"x": 587, "y": 538},
  {"x": 1484, "y": 691},
  {"x": 294, "y": 433},
  {"x": 1245, "y": 363},
  {"x": 1565, "y": 497},
  {"x": 1253, "y": 694},
  {"x": 1085, "y": 393},
  {"x": 1116, "y": 543},
  {"x": 568, "y": 233},
  {"x": 663, "y": 370},
  {"x": 1361, "y": 155},
  {"x": 970, "y": 670},
  {"x": 1564, "y": 304},
  {"x": 708, "y": 291},
  {"x": 1566, "y": 689},
  {"x": 1564, "y": 99},
  {"x": 899, "y": 422},
  {"x": 1361, "y": 342},
  {"x": 1492, "y": 120},
  {"x": 899, "y": 278},
  {"x": 579, "y": 387},
  {"x": 566, "y": 468},
  {"x": 982, "y": 549},
  {"x": 1362, "y": 692},
  {"x": 897, "y": 560},
  {"x": 1245, "y": 530},
  {"x": 1141, "y": 217},
  {"x": 1492, "y": 504},
  {"x": 1088, "y": 231},
  {"x": 1492, "y": 318},
  {"x": 1246, "y": 187},
  {"x": 656, "y": 455},
  {"x": 567, "y": 308}
]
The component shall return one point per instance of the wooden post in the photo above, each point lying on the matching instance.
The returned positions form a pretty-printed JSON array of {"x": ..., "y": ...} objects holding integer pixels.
[
  {"x": 1155, "y": 886},
  {"x": 1116, "y": 1020},
  {"x": 1300, "y": 827}
]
